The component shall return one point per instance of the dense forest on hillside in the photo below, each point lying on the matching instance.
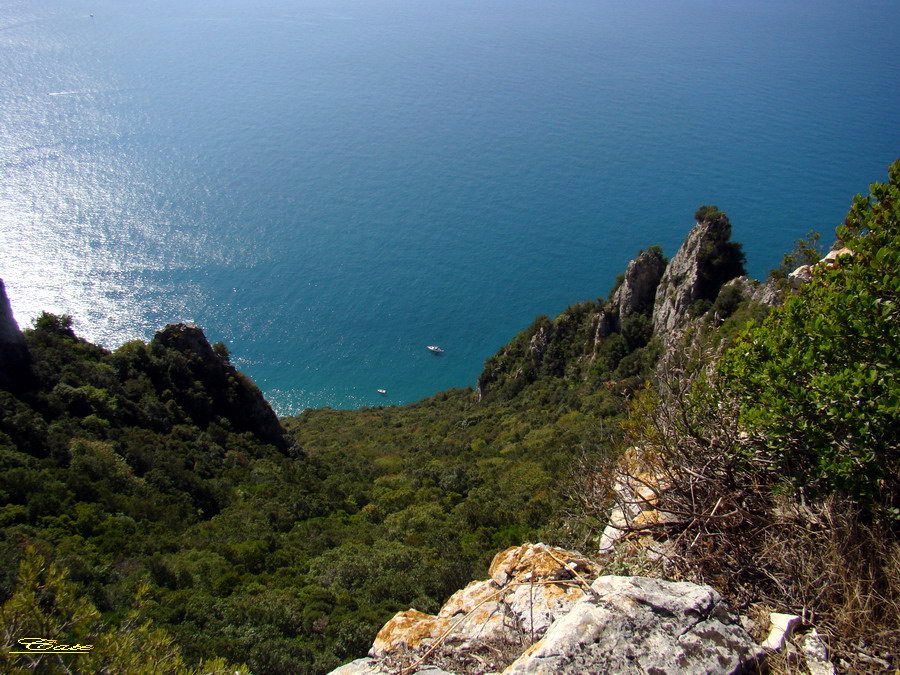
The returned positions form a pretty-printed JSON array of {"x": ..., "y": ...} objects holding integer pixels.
[
  {"x": 153, "y": 506},
  {"x": 140, "y": 472}
]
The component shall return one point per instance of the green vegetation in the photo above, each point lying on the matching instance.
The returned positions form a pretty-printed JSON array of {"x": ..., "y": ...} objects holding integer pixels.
[
  {"x": 806, "y": 252},
  {"x": 817, "y": 380},
  {"x": 154, "y": 472},
  {"x": 46, "y": 604},
  {"x": 151, "y": 504},
  {"x": 720, "y": 260}
]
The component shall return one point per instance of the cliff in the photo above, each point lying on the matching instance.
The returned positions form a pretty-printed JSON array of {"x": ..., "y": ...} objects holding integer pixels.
[
  {"x": 703, "y": 264},
  {"x": 637, "y": 292},
  {"x": 15, "y": 361},
  {"x": 649, "y": 308}
]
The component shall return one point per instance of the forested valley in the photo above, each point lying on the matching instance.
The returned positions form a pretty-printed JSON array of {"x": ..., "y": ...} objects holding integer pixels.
[{"x": 153, "y": 506}]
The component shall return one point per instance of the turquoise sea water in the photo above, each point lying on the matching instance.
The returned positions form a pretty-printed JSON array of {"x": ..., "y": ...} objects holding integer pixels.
[{"x": 328, "y": 186}]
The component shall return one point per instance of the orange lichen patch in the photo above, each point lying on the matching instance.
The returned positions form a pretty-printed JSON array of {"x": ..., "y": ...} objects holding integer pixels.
[
  {"x": 408, "y": 629},
  {"x": 543, "y": 598},
  {"x": 465, "y": 600},
  {"x": 537, "y": 561},
  {"x": 652, "y": 517},
  {"x": 504, "y": 559},
  {"x": 551, "y": 593}
]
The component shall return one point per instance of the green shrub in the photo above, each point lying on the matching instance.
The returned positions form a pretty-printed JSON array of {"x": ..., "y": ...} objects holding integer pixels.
[{"x": 817, "y": 379}]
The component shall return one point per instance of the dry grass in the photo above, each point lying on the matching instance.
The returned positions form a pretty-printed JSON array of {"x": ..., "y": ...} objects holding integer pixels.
[{"x": 725, "y": 524}]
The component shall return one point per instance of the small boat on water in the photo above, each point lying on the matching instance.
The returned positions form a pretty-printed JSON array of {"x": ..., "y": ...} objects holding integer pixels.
[
  {"x": 382, "y": 391},
  {"x": 435, "y": 349}
]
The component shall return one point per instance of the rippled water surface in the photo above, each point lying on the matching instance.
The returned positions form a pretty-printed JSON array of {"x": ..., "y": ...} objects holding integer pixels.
[{"x": 330, "y": 186}]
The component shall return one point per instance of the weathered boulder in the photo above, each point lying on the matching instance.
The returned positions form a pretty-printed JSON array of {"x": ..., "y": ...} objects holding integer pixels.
[
  {"x": 539, "y": 595},
  {"x": 530, "y": 587},
  {"x": 537, "y": 561},
  {"x": 369, "y": 666},
  {"x": 800, "y": 276},
  {"x": 15, "y": 361},
  {"x": 642, "y": 625},
  {"x": 706, "y": 260},
  {"x": 804, "y": 273},
  {"x": 830, "y": 259},
  {"x": 780, "y": 630},
  {"x": 637, "y": 292}
]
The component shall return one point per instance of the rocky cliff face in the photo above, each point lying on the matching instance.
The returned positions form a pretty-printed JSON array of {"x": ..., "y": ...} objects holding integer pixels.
[
  {"x": 637, "y": 293},
  {"x": 235, "y": 396},
  {"x": 706, "y": 260},
  {"x": 652, "y": 297},
  {"x": 15, "y": 361}
]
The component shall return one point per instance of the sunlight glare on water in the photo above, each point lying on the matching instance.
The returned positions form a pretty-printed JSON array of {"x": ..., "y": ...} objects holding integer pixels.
[{"x": 329, "y": 186}]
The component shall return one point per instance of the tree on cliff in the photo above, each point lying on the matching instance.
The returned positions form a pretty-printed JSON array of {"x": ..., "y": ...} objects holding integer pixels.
[{"x": 720, "y": 259}]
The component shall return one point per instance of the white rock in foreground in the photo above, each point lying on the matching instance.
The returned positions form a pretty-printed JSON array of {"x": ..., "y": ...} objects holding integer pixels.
[
  {"x": 815, "y": 653},
  {"x": 782, "y": 627},
  {"x": 643, "y": 625},
  {"x": 617, "y": 625},
  {"x": 369, "y": 666}
]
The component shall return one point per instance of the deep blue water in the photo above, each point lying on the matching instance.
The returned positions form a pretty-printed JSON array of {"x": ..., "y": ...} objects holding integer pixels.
[{"x": 328, "y": 186}]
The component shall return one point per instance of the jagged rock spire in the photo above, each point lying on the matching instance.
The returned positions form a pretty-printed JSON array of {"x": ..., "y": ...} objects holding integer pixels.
[
  {"x": 637, "y": 292},
  {"x": 706, "y": 260}
]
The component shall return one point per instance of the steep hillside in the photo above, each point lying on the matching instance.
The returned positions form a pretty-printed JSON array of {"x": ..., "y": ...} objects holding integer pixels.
[
  {"x": 150, "y": 495},
  {"x": 161, "y": 464},
  {"x": 763, "y": 460}
]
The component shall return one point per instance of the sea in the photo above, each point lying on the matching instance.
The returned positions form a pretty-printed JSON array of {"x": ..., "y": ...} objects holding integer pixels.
[{"x": 330, "y": 186}]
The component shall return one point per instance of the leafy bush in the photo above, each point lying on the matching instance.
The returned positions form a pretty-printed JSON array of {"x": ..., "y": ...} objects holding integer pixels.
[
  {"x": 53, "y": 323},
  {"x": 720, "y": 259},
  {"x": 817, "y": 380},
  {"x": 727, "y": 302}
]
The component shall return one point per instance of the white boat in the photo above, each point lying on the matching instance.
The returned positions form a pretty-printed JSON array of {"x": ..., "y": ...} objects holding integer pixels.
[
  {"x": 382, "y": 391},
  {"x": 435, "y": 349}
]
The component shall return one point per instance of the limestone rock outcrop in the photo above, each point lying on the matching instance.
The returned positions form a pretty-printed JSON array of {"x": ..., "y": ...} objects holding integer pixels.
[
  {"x": 15, "y": 361},
  {"x": 706, "y": 260},
  {"x": 804, "y": 273},
  {"x": 530, "y": 587},
  {"x": 643, "y": 625},
  {"x": 543, "y": 596},
  {"x": 637, "y": 292}
]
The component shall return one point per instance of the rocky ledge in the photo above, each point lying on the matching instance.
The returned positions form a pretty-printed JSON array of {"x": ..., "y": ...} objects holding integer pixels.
[{"x": 545, "y": 610}]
